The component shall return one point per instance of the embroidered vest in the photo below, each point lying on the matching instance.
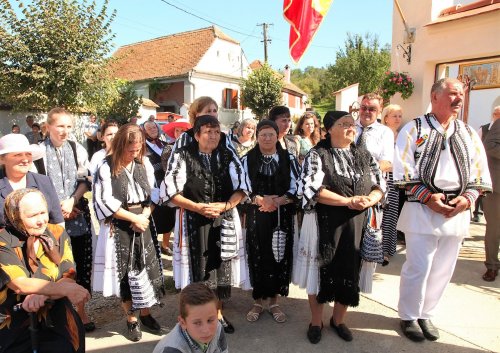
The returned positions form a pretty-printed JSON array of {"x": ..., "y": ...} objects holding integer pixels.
[{"x": 119, "y": 183}]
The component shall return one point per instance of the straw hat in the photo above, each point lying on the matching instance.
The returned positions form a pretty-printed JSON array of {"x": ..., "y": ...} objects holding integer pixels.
[
  {"x": 170, "y": 127},
  {"x": 16, "y": 143}
]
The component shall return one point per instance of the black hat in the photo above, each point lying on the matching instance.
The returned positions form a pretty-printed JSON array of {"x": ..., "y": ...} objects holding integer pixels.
[
  {"x": 331, "y": 117},
  {"x": 205, "y": 120},
  {"x": 267, "y": 123}
]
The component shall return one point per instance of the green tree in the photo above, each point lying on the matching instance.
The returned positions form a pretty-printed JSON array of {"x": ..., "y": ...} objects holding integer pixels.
[
  {"x": 55, "y": 53},
  {"x": 124, "y": 103},
  {"x": 362, "y": 60},
  {"x": 262, "y": 90},
  {"x": 312, "y": 81}
]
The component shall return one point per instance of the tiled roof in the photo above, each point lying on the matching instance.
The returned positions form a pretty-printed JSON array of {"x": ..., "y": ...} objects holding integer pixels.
[{"x": 163, "y": 57}]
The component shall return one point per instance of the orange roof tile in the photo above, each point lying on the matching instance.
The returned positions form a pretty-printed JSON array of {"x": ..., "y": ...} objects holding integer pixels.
[{"x": 163, "y": 57}]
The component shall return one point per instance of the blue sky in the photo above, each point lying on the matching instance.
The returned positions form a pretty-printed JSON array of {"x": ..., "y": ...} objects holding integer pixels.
[{"x": 139, "y": 20}]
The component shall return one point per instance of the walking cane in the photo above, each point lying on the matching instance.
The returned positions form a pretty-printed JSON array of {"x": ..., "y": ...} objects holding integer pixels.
[{"x": 34, "y": 327}]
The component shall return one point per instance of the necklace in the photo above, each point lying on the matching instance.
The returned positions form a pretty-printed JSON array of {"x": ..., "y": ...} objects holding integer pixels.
[{"x": 267, "y": 158}]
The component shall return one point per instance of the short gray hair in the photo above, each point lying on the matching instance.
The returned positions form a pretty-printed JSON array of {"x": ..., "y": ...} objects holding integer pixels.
[{"x": 441, "y": 84}]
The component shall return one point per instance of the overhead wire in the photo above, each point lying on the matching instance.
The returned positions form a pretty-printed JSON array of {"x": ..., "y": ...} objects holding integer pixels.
[{"x": 247, "y": 35}]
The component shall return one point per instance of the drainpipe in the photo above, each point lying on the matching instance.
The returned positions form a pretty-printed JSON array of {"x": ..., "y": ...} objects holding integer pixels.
[{"x": 192, "y": 86}]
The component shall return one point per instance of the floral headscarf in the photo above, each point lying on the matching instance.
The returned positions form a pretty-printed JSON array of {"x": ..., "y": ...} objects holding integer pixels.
[{"x": 13, "y": 219}]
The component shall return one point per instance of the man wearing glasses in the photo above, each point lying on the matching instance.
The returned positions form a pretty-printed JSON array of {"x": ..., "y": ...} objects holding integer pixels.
[{"x": 378, "y": 138}]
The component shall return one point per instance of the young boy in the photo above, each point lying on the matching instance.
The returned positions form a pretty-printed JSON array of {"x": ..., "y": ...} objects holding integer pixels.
[{"x": 198, "y": 329}]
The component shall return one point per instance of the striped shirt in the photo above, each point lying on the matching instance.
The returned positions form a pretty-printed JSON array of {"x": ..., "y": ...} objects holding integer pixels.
[
  {"x": 311, "y": 178},
  {"x": 105, "y": 204}
]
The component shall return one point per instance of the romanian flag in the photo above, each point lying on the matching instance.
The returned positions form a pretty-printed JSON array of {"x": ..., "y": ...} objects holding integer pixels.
[{"x": 304, "y": 17}]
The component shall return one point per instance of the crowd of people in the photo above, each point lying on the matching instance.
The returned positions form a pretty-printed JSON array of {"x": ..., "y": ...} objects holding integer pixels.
[{"x": 257, "y": 208}]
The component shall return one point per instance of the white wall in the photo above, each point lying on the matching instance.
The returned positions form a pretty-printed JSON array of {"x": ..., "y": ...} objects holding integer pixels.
[
  {"x": 481, "y": 106},
  {"x": 8, "y": 118},
  {"x": 345, "y": 98},
  {"x": 224, "y": 57},
  {"x": 463, "y": 39}
]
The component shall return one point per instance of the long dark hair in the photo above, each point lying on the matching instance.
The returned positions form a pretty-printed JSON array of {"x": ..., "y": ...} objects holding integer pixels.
[{"x": 315, "y": 135}]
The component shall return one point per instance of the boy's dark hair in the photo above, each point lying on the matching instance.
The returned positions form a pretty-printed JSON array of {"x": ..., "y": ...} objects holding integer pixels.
[{"x": 195, "y": 294}]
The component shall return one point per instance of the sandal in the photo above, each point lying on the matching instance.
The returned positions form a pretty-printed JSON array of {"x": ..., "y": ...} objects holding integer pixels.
[
  {"x": 253, "y": 315},
  {"x": 278, "y": 316}
]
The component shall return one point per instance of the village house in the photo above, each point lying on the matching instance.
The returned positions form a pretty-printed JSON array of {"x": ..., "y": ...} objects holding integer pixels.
[
  {"x": 448, "y": 38},
  {"x": 174, "y": 70}
]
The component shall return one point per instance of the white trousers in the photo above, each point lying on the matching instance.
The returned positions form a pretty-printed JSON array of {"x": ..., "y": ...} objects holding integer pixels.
[{"x": 430, "y": 262}]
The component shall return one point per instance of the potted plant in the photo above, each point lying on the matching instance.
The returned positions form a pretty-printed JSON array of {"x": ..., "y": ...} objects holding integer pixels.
[{"x": 397, "y": 82}]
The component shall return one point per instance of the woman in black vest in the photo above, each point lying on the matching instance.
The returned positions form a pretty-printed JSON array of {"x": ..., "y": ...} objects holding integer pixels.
[
  {"x": 339, "y": 181},
  {"x": 122, "y": 196},
  {"x": 206, "y": 181},
  {"x": 273, "y": 172}
]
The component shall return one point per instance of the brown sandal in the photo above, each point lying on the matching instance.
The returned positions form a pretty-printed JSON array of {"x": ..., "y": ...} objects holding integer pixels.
[
  {"x": 253, "y": 315},
  {"x": 278, "y": 315}
]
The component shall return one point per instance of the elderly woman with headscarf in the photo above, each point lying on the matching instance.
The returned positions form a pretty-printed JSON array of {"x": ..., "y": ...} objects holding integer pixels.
[
  {"x": 273, "y": 173},
  {"x": 206, "y": 181},
  {"x": 37, "y": 272},
  {"x": 338, "y": 183},
  {"x": 16, "y": 161}
]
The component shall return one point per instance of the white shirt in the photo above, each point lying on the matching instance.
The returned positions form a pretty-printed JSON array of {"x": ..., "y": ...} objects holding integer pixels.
[
  {"x": 416, "y": 217},
  {"x": 379, "y": 140}
]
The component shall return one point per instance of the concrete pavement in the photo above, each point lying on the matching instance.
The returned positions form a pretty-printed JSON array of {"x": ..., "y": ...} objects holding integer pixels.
[{"x": 468, "y": 317}]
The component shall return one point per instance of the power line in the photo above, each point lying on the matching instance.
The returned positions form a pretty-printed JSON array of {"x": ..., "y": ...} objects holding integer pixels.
[
  {"x": 233, "y": 30},
  {"x": 206, "y": 20}
]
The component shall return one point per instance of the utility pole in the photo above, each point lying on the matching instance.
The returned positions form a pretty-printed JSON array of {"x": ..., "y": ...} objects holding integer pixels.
[{"x": 264, "y": 30}]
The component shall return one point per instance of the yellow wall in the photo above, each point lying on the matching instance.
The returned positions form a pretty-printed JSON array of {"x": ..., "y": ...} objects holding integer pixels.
[{"x": 465, "y": 38}]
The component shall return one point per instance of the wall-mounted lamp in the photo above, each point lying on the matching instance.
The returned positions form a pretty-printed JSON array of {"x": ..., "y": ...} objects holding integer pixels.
[
  {"x": 406, "y": 52},
  {"x": 409, "y": 36}
]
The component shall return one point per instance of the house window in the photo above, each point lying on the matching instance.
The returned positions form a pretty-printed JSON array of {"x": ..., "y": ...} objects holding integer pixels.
[{"x": 230, "y": 98}]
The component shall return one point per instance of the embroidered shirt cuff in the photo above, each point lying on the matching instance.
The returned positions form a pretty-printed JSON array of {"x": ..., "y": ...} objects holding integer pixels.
[
  {"x": 471, "y": 195},
  {"x": 420, "y": 192}
]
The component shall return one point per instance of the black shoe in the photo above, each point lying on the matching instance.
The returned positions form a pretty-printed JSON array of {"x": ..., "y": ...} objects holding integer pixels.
[
  {"x": 89, "y": 326},
  {"x": 430, "y": 331},
  {"x": 476, "y": 219},
  {"x": 150, "y": 323},
  {"x": 342, "y": 330},
  {"x": 226, "y": 325},
  {"x": 134, "y": 331},
  {"x": 412, "y": 330},
  {"x": 314, "y": 333}
]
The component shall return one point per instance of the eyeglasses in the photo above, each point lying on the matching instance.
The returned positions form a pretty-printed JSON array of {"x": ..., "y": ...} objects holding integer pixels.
[
  {"x": 346, "y": 125},
  {"x": 370, "y": 109},
  {"x": 266, "y": 136}
]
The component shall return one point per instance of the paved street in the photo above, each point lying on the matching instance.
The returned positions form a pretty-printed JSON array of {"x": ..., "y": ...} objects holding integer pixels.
[{"x": 468, "y": 317}]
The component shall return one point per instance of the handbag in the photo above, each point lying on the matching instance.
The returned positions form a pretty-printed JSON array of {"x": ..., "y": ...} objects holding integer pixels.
[
  {"x": 228, "y": 246},
  {"x": 371, "y": 243},
  {"x": 279, "y": 240},
  {"x": 143, "y": 294}
]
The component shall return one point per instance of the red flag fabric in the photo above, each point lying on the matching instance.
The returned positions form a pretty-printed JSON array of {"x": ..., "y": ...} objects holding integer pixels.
[{"x": 305, "y": 17}]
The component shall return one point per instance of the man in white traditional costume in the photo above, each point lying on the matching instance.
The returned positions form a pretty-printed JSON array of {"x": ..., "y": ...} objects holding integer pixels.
[{"x": 441, "y": 163}]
